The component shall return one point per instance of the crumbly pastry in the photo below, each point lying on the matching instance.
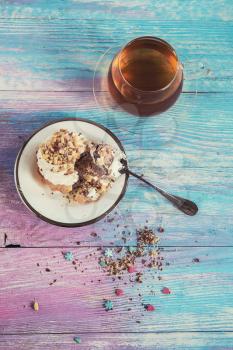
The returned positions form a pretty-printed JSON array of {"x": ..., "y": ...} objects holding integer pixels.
[
  {"x": 56, "y": 159},
  {"x": 80, "y": 169},
  {"x": 98, "y": 168}
]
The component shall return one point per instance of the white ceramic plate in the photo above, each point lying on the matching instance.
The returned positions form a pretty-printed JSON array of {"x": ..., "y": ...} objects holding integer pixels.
[{"x": 52, "y": 207}]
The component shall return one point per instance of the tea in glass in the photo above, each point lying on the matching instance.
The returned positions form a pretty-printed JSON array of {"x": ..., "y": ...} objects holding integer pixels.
[{"x": 146, "y": 75}]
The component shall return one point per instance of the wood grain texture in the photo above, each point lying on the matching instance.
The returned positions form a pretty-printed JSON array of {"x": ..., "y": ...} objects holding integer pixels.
[
  {"x": 186, "y": 151},
  {"x": 54, "y": 55},
  {"x": 28, "y": 231},
  {"x": 48, "y": 52},
  {"x": 195, "y": 133},
  {"x": 122, "y": 341},
  {"x": 201, "y": 297},
  {"x": 73, "y": 9}
]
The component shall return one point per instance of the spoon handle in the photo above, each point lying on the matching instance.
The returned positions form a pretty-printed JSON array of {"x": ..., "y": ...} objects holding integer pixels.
[{"x": 185, "y": 205}]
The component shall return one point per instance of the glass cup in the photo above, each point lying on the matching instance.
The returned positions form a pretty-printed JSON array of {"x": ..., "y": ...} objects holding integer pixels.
[{"x": 147, "y": 75}]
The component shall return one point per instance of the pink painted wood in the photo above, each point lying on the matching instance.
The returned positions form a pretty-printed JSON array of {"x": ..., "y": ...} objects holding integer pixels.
[
  {"x": 48, "y": 53},
  {"x": 122, "y": 341},
  {"x": 71, "y": 296}
]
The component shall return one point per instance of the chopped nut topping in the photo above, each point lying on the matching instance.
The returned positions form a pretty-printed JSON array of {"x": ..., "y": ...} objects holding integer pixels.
[{"x": 63, "y": 149}]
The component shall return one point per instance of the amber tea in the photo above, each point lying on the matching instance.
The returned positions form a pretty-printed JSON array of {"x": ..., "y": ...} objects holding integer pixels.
[{"x": 148, "y": 74}]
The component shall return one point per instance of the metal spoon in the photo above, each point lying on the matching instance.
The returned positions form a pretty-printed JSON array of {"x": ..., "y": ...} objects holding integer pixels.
[{"x": 185, "y": 205}]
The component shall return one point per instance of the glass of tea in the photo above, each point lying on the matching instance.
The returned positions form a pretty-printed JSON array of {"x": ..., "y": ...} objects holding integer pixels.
[{"x": 146, "y": 76}]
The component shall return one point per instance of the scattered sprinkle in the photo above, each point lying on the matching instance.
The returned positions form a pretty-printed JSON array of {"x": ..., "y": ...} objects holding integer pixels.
[
  {"x": 132, "y": 249},
  {"x": 68, "y": 256},
  {"x": 108, "y": 305},
  {"x": 51, "y": 283},
  {"x": 196, "y": 260},
  {"x": 147, "y": 237},
  {"x": 153, "y": 253},
  {"x": 110, "y": 219},
  {"x": 165, "y": 290},
  {"x": 119, "y": 292},
  {"x": 131, "y": 269},
  {"x": 139, "y": 277},
  {"x": 108, "y": 253},
  {"x": 35, "y": 306},
  {"x": 123, "y": 259},
  {"x": 123, "y": 251},
  {"x": 160, "y": 229},
  {"x": 77, "y": 340},
  {"x": 102, "y": 263},
  {"x": 149, "y": 307}
]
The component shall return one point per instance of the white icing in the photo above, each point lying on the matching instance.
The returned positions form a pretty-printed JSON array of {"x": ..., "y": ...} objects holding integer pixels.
[
  {"x": 52, "y": 173},
  {"x": 82, "y": 143},
  {"x": 92, "y": 193},
  {"x": 116, "y": 166}
]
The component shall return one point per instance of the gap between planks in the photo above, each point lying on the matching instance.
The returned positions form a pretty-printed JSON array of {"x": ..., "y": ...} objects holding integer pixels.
[
  {"x": 194, "y": 92},
  {"x": 120, "y": 332},
  {"x": 171, "y": 248}
]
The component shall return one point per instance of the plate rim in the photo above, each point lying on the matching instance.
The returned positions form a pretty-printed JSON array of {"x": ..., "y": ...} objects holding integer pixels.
[{"x": 54, "y": 222}]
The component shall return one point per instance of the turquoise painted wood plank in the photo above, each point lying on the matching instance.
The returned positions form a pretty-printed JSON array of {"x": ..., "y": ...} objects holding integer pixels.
[
  {"x": 205, "y": 230},
  {"x": 200, "y": 170},
  {"x": 73, "y": 9},
  {"x": 195, "y": 133},
  {"x": 122, "y": 341},
  {"x": 200, "y": 299},
  {"x": 55, "y": 55},
  {"x": 194, "y": 151},
  {"x": 212, "y": 193}
]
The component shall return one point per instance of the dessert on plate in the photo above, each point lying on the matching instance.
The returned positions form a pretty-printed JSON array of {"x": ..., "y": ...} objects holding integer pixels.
[
  {"x": 56, "y": 159},
  {"x": 75, "y": 166},
  {"x": 98, "y": 167}
]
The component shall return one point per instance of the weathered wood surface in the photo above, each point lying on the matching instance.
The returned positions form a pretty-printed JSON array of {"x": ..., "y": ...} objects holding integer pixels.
[
  {"x": 54, "y": 55},
  {"x": 73, "y": 9},
  {"x": 122, "y": 341},
  {"x": 195, "y": 133},
  {"x": 200, "y": 300},
  {"x": 191, "y": 157},
  {"x": 27, "y": 231},
  {"x": 48, "y": 52}
]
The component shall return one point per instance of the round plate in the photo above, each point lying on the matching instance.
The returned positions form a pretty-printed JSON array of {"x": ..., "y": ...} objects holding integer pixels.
[{"x": 50, "y": 206}]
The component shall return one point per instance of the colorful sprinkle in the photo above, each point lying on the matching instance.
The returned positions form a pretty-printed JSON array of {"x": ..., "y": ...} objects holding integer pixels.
[
  {"x": 102, "y": 263},
  {"x": 108, "y": 253},
  {"x": 77, "y": 340},
  {"x": 68, "y": 256},
  {"x": 165, "y": 290},
  {"x": 132, "y": 249},
  {"x": 149, "y": 307},
  {"x": 123, "y": 251},
  {"x": 160, "y": 229},
  {"x": 108, "y": 305},
  {"x": 131, "y": 269},
  {"x": 119, "y": 292},
  {"x": 36, "y": 306}
]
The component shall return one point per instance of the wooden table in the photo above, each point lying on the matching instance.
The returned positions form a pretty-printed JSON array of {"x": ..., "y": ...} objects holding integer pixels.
[{"x": 48, "y": 52}]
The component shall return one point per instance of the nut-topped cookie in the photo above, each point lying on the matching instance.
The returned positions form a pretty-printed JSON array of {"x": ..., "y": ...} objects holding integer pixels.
[
  {"x": 78, "y": 167},
  {"x": 56, "y": 159}
]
